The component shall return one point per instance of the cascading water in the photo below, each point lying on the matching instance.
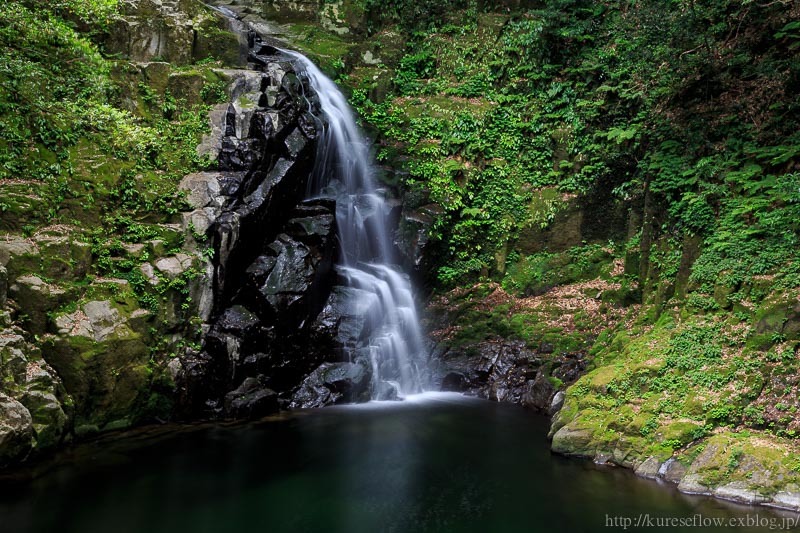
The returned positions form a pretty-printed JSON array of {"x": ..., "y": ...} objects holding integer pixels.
[{"x": 344, "y": 171}]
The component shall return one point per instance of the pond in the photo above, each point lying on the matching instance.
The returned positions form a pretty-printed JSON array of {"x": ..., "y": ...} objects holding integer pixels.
[{"x": 436, "y": 462}]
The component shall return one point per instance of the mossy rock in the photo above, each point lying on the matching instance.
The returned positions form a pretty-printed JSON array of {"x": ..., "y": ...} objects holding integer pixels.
[
  {"x": 376, "y": 81},
  {"x": 187, "y": 86},
  {"x": 23, "y": 204},
  {"x": 48, "y": 417},
  {"x": 64, "y": 257},
  {"x": 106, "y": 379},
  {"x": 773, "y": 316},
  {"x": 757, "y": 463},
  {"x": 104, "y": 363},
  {"x": 156, "y": 75},
  {"x": 301, "y": 10},
  {"x": 36, "y": 298},
  {"x": 722, "y": 295},
  {"x": 681, "y": 431},
  {"x": 19, "y": 256},
  {"x": 577, "y": 441},
  {"x": 214, "y": 42}
]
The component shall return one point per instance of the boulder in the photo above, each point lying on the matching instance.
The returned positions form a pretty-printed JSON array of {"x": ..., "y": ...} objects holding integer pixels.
[
  {"x": 63, "y": 257},
  {"x": 539, "y": 393},
  {"x": 172, "y": 267},
  {"x": 412, "y": 232},
  {"x": 741, "y": 492},
  {"x": 33, "y": 383},
  {"x": 455, "y": 382},
  {"x": 35, "y": 299},
  {"x": 19, "y": 256},
  {"x": 179, "y": 32},
  {"x": 234, "y": 332},
  {"x": 333, "y": 383},
  {"x": 96, "y": 320},
  {"x": 251, "y": 400},
  {"x": 672, "y": 470},
  {"x": 16, "y": 431},
  {"x": 338, "y": 327},
  {"x": 557, "y": 403},
  {"x": 48, "y": 417},
  {"x": 102, "y": 352},
  {"x": 573, "y": 441},
  {"x": 283, "y": 287},
  {"x": 386, "y": 392},
  {"x": 649, "y": 468},
  {"x": 203, "y": 189}
]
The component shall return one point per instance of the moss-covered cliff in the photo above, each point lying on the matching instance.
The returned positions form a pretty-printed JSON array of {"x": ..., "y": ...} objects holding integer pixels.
[{"x": 102, "y": 107}]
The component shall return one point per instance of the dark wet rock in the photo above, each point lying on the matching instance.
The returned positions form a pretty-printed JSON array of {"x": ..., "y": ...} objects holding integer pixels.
[
  {"x": 568, "y": 367},
  {"x": 252, "y": 399},
  {"x": 236, "y": 330},
  {"x": 508, "y": 371},
  {"x": 295, "y": 142},
  {"x": 240, "y": 154},
  {"x": 412, "y": 233},
  {"x": 338, "y": 328},
  {"x": 238, "y": 321},
  {"x": 258, "y": 272},
  {"x": 455, "y": 382},
  {"x": 539, "y": 393},
  {"x": 309, "y": 125},
  {"x": 254, "y": 364},
  {"x": 262, "y": 126},
  {"x": 333, "y": 383},
  {"x": 312, "y": 230},
  {"x": 276, "y": 310},
  {"x": 288, "y": 277},
  {"x": 290, "y": 284}
]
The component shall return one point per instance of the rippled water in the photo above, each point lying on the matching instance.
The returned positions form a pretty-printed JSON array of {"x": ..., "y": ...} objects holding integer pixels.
[{"x": 436, "y": 462}]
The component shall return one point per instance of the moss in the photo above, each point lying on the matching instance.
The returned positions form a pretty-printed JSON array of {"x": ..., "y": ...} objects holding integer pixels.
[
  {"x": 679, "y": 432},
  {"x": 23, "y": 204},
  {"x": 213, "y": 42},
  {"x": 326, "y": 49}
]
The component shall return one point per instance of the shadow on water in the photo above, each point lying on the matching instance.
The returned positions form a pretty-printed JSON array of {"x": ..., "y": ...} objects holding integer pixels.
[{"x": 436, "y": 462}]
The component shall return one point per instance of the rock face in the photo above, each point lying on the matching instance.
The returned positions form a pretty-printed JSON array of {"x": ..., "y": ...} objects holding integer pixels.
[
  {"x": 411, "y": 237},
  {"x": 177, "y": 31},
  {"x": 16, "y": 430},
  {"x": 35, "y": 405},
  {"x": 275, "y": 325},
  {"x": 334, "y": 383},
  {"x": 507, "y": 371}
]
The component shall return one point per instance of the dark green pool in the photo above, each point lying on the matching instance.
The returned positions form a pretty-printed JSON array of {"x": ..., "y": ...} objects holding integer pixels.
[{"x": 437, "y": 463}]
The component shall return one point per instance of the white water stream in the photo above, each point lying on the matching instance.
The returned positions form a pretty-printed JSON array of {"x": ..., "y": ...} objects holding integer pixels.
[{"x": 344, "y": 171}]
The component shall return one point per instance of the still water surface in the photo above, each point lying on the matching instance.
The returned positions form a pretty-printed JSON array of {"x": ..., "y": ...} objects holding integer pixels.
[{"x": 437, "y": 462}]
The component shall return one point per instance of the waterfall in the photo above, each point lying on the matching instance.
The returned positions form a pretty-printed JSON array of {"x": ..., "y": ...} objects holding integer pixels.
[{"x": 344, "y": 171}]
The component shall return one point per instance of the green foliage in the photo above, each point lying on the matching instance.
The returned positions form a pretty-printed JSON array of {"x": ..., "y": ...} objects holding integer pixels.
[
  {"x": 410, "y": 14},
  {"x": 567, "y": 96}
]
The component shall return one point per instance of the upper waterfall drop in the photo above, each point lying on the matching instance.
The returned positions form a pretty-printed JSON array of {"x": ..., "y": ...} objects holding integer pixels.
[{"x": 383, "y": 295}]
